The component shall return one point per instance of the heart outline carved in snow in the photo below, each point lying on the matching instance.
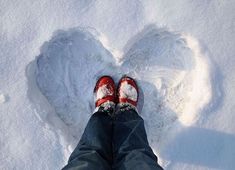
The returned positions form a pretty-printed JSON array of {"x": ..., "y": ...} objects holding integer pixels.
[{"x": 170, "y": 69}]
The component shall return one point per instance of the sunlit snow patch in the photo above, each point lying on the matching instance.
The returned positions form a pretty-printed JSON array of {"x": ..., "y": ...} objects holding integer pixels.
[{"x": 2, "y": 98}]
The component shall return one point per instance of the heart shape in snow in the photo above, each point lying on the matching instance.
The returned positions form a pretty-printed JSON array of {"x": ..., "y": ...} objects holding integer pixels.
[{"x": 169, "y": 68}]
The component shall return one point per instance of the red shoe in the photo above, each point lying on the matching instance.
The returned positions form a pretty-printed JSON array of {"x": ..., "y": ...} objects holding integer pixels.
[
  {"x": 104, "y": 93},
  {"x": 127, "y": 91}
]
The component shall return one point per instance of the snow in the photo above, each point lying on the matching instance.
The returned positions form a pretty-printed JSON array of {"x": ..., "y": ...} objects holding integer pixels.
[
  {"x": 180, "y": 52},
  {"x": 109, "y": 105},
  {"x": 128, "y": 91},
  {"x": 2, "y": 98},
  {"x": 102, "y": 92}
]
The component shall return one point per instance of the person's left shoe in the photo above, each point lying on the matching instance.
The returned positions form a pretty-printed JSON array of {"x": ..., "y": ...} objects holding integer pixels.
[
  {"x": 127, "y": 93},
  {"x": 104, "y": 94}
]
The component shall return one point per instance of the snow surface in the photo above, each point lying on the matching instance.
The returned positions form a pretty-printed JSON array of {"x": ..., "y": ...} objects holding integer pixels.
[{"x": 180, "y": 52}]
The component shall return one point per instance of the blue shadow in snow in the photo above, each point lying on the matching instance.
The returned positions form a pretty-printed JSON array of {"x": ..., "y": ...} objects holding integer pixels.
[{"x": 202, "y": 147}]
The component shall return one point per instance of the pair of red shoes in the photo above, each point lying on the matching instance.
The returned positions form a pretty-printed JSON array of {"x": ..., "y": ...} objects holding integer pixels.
[{"x": 107, "y": 95}]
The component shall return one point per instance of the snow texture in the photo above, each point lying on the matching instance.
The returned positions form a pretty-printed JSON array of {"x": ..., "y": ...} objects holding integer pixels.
[
  {"x": 2, "y": 98},
  {"x": 181, "y": 53}
]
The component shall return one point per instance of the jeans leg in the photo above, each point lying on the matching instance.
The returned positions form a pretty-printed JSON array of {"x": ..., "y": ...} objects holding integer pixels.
[
  {"x": 130, "y": 145},
  {"x": 94, "y": 150}
]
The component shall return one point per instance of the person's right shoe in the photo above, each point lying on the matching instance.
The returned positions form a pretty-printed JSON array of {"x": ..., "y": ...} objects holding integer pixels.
[
  {"x": 127, "y": 93},
  {"x": 105, "y": 94}
]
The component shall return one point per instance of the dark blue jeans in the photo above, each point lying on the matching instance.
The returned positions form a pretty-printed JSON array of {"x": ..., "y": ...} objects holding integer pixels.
[{"x": 118, "y": 142}]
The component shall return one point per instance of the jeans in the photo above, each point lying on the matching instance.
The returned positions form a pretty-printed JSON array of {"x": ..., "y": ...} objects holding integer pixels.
[{"x": 113, "y": 142}]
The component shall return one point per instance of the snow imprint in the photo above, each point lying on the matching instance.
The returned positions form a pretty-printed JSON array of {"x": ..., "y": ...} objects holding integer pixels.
[{"x": 170, "y": 69}]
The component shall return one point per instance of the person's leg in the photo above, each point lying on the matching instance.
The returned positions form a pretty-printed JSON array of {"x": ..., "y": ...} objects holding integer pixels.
[
  {"x": 94, "y": 151},
  {"x": 131, "y": 149},
  {"x": 130, "y": 145}
]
